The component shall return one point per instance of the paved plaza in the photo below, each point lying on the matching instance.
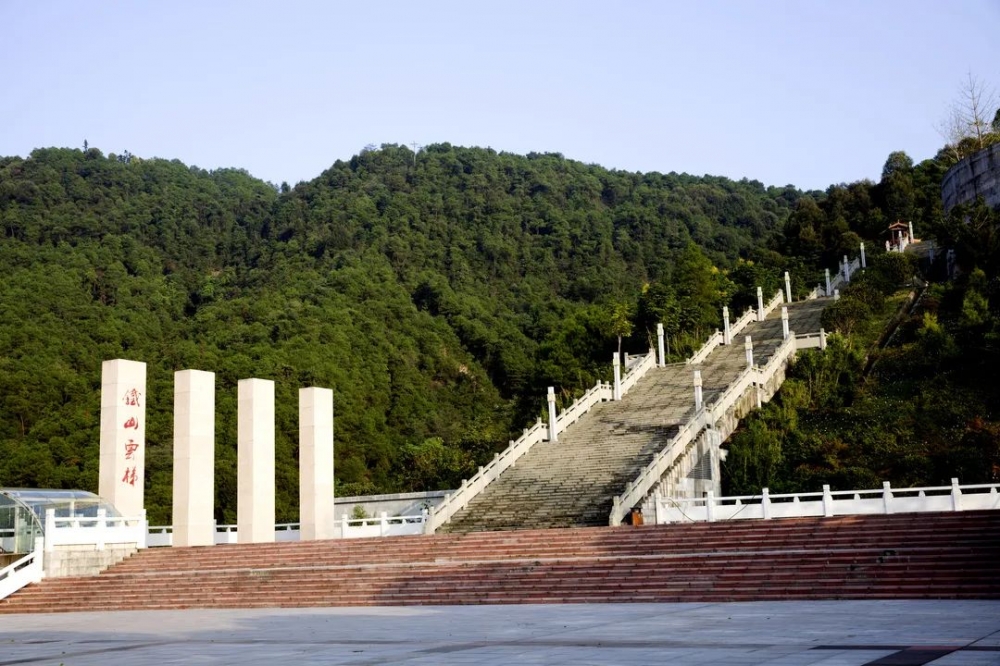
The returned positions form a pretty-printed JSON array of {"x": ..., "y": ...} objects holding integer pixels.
[{"x": 825, "y": 633}]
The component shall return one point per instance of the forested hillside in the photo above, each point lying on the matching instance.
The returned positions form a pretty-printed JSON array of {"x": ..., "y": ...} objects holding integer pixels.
[{"x": 437, "y": 293}]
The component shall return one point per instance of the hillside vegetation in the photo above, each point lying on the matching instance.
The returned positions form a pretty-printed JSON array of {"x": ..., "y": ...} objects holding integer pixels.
[{"x": 438, "y": 294}]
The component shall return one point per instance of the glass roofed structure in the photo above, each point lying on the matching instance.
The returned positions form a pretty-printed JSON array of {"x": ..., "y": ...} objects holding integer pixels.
[{"x": 22, "y": 513}]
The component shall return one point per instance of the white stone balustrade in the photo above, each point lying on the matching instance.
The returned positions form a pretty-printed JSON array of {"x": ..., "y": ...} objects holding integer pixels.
[
  {"x": 637, "y": 371},
  {"x": 766, "y": 506},
  {"x": 713, "y": 341},
  {"x": 24, "y": 571}
]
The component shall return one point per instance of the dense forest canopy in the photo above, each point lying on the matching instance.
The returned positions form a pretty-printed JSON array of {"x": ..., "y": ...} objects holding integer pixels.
[{"x": 437, "y": 293}]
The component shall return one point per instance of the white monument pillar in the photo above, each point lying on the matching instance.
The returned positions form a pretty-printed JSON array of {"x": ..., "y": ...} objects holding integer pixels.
[
  {"x": 784, "y": 323},
  {"x": 551, "y": 397},
  {"x": 828, "y": 292},
  {"x": 660, "y": 347},
  {"x": 316, "y": 463},
  {"x": 194, "y": 458},
  {"x": 617, "y": 363},
  {"x": 864, "y": 264},
  {"x": 727, "y": 336},
  {"x": 697, "y": 391},
  {"x": 788, "y": 288},
  {"x": 255, "y": 454},
  {"x": 760, "y": 304},
  {"x": 122, "y": 472},
  {"x": 748, "y": 347}
]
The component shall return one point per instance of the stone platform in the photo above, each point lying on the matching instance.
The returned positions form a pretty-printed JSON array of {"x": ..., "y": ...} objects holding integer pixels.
[{"x": 827, "y": 633}]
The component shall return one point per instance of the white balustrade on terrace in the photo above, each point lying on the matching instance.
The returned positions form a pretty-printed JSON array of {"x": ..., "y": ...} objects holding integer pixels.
[
  {"x": 828, "y": 503},
  {"x": 98, "y": 530}
]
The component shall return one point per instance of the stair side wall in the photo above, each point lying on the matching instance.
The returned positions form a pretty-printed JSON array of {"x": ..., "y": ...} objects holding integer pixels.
[
  {"x": 84, "y": 560},
  {"x": 679, "y": 481}
]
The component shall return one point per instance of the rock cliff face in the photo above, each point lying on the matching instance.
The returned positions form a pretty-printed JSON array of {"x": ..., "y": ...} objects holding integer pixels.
[{"x": 975, "y": 176}]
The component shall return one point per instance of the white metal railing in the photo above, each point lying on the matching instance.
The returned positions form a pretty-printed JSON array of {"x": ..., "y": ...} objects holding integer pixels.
[
  {"x": 98, "y": 530},
  {"x": 22, "y": 572},
  {"x": 637, "y": 372},
  {"x": 454, "y": 502},
  {"x": 714, "y": 341},
  {"x": 829, "y": 503}
]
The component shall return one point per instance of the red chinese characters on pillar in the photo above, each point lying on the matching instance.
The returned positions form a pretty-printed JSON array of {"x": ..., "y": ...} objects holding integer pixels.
[
  {"x": 131, "y": 446},
  {"x": 132, "y": 398},
  {"x": 129, "y": 477}
]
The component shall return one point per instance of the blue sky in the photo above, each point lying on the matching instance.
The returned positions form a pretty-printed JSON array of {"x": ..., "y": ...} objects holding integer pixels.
[{"x": 802, "y": 92}]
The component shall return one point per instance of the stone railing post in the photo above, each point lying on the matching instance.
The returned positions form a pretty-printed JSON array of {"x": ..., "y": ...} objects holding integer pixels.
[
  {"x": 956, "y": 496},
  {"x": 727, "y": 336},
  {"x": 827, "y": 501},
  {"x": 617, "y": 363},
  {"x": 551, "y": 397},
  {"x": 101, "y": 529},
  {"x": 864, "y": 264},
  {"x": 697, "y": 391},
  {"x": 886, "y": 497},
  {"x": 383, "y": 523},
  {"x": 344, "y": 526},
  {"x": 710, "y": 506},
  {"x": 847, "y": 269},
  {"x": 788, "y": 288},
  {"x": 760, "y": 304},
  {"x": 765, "y": 503},
  {"x": 50, "y": 530},
  {"x": 911, "y": 232},
  {"x": 748, "y": 348},
  {"x": 822, "y": 339},
  {"x": 784, "y": 322},
  {"x": 828, "y": 292},
  {"x": 659, "y": 345}
]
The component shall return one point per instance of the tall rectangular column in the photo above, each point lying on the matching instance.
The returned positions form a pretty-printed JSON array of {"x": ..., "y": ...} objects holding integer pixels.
[
  {"x": 122, "y": 473},
  {"x": 316, "y": 463},
  {"x": 194, "y": 458},
  {"x": 255, "y": 455}
]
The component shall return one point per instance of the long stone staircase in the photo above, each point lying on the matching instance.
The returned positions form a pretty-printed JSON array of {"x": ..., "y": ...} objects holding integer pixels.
[
  {"x": 936, "y": 555},
  {"x": 572, "y": 482}
]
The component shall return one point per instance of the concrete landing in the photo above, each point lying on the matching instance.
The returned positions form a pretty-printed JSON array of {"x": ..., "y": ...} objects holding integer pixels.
[{"x": 827, "y": 633}]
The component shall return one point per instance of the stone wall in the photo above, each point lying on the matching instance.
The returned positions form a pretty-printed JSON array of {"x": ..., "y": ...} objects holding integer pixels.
[
  {"x": 698, "y": 470},
  {"x": 84, "y": 560},
  {"x": 976, "y": 176}
]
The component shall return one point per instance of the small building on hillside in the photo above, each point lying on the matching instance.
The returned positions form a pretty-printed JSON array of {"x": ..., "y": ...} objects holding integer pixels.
[{"x": 900, "y": 235}]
